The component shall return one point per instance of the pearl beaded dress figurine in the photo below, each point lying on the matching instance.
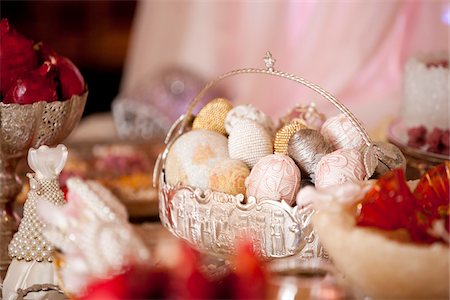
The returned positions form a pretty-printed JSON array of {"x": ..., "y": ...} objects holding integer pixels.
[{"x": 31, "y": 253}]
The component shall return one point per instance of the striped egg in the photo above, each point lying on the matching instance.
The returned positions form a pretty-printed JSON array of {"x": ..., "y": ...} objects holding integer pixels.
[
  {"x": 306, "y": 147},
  {"x": 249, "y": 141},
  {"x": 212, "y": 116}
]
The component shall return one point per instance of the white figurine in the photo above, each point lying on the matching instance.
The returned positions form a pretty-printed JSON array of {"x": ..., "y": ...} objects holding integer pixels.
[
  {"x": 93, "y": 234},
  {"x": 30, "y": 251}
]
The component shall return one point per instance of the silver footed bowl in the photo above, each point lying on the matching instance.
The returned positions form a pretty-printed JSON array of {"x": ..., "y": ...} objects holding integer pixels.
[
  {"x": 215, "y": 222},
  {"x": 23, "y": 127}
]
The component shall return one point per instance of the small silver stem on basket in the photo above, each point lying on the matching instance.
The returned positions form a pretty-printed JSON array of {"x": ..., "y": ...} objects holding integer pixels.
[{"x": 269, "y": 61}]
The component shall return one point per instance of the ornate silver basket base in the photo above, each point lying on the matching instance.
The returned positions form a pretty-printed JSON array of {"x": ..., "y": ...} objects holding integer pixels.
[{"x": 216, "y": 223}]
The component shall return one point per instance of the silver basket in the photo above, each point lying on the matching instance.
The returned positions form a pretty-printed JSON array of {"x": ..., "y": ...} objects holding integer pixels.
[{"x": 215, "y": 222}]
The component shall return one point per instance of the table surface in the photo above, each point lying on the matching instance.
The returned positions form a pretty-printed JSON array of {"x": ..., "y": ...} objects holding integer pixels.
[
  {"x": 287, "y": 284},
  {"x": 292, "y": 284}
]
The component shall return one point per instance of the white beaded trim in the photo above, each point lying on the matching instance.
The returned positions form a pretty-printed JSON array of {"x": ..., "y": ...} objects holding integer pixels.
[{"x": 28, "y": 242}]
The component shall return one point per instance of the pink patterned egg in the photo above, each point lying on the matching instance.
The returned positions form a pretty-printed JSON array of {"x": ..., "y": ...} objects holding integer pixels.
[
  {"x": 340, "y": 166},
  {"x": 274, "y": 177},
  {"x": 339, "y": 132}
]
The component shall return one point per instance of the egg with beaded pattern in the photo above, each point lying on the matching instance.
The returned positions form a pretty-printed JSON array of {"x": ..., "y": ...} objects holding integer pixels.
[
  {"x": 284, "y": 134},
  {"x": 249, "y": 112},
  {"x": 338, "y": 167},
  {"x": 193, "y": 155},
  {"x": 212, "y": 116},
  {"x": 274, "y": 177},
  {"x": 340, "y": 133},
  {"x": 249, "y": 142}
]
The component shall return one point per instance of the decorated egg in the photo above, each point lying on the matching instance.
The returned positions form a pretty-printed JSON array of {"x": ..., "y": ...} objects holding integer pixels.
[
  {"x": 249, "y": 142},
  {"x": 306, "y": 114},
  {"x": 248, "y": 112},
  {"x": 306, "y": 147},
  {"x": 228, "y": 176},
  {"x": 283, "y": 136},
  {"x": 391, "y": 158},
  {"x": 340, "y": 133},
  {"x": 193, "y": 155},
  {"x": 212, "y": 116},
  {"x": 340, "y": 166},
  {"x": 274, "y": 177}
]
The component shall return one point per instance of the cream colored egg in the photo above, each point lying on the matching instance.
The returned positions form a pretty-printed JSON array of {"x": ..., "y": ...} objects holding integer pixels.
[
  {"x": 228, "y": 176},
  {"x": 212, "y": 116},
  {"x": 248, "y": 112},
  {"x": 249, "y": 142},
  {"x": 193, "y": 155},
  {"x": 274, "y": 177}
]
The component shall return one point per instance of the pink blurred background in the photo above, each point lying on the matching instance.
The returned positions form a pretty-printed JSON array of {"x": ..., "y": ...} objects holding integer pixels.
[{"x": 354, "y": 49}]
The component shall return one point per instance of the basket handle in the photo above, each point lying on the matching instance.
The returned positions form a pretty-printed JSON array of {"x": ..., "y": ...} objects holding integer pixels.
[{"x": 269, "y": 61}]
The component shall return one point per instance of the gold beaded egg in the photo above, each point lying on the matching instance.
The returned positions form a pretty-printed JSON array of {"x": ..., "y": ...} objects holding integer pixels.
[
  {"x": 212, "y": 116},
  {"x": 283, "y": 136}
]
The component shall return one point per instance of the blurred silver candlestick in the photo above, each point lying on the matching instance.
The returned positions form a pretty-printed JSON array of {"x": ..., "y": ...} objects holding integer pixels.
[{"x": 23, "y": 127}]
